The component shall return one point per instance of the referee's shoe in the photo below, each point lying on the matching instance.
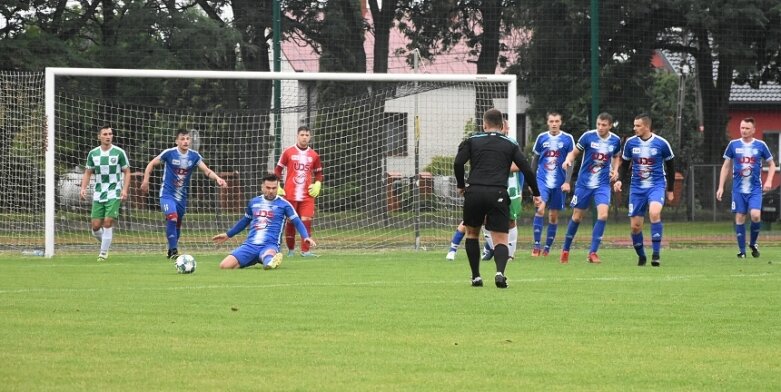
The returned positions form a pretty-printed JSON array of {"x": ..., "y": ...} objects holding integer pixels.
[{"x": 501, "y": 280}]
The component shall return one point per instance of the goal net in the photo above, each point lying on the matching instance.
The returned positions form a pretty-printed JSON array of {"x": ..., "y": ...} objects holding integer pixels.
[{"x": 387, "y": 149}]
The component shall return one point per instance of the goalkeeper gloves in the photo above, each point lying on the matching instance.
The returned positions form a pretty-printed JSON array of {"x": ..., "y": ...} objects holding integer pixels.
[
  {"x": 280, "y": 191},
  {"x": 314, "y": 189}
]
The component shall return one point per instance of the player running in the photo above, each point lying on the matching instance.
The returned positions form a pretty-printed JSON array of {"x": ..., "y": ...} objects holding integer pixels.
[{"x": 179, "y": 161}]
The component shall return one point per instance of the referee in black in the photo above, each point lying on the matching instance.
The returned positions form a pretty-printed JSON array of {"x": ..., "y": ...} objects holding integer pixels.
[{"x": 491, "y": 155}]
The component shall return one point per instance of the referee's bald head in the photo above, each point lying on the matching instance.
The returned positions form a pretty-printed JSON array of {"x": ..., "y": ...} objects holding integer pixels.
[{"x": 492, "y": 119}]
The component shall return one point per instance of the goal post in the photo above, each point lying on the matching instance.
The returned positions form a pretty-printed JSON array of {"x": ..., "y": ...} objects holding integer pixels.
[{"x": 503, "y": 89}]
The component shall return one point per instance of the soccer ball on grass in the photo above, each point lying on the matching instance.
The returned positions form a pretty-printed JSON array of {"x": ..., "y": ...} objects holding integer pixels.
[{"x": 185, "y": 264}]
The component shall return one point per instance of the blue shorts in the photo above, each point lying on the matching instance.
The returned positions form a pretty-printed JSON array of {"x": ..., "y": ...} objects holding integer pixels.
[
  {"x": 583, "y": 196},
  {"x": 169, "y": 206},
  {"x": 553, "y": 198},
  {"x": 744, "y": 202},
  {"x": 249, "y": 254},
  {"x": 640, "y": 199}
]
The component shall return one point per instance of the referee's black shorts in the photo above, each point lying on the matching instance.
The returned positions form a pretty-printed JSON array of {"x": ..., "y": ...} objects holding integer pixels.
[{"x": 487, "y": 204}]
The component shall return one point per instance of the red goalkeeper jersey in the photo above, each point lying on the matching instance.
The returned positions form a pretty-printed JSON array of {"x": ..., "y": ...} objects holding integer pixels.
[{"x": 302, "y": 167}]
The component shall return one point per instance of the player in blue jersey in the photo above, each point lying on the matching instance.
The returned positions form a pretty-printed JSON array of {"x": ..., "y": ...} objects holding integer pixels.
[
  {"x": 601, "y": 150},
  {"x": 550, "y": 150},
  {"x": 266, "y": 216},
  {"x": 744, "y": 157},
  {"x": 179, "y": 162},
  {"x": 653, "y": 178}
]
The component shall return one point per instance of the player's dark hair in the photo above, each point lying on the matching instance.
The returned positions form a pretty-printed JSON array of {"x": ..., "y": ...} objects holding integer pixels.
[
  {"x": 493, "y": 117},
  {"x": 303, "y": 128},
  {"x": 104, "y": 127},
  {"x": 182, "y": 131},
  {"x": 270, "y": 177},
  {"x": 606, "y": 116},
  {"x": 552, "y": 113},
  {"x": 645, "y": 118},
  {"x": 749, "y": 120}
]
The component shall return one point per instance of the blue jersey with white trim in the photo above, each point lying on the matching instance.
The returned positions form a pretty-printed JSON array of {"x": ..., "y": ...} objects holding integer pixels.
[
  {"x": 177, "y": 172},
  {"x": 747, "y": 161},
  {"x": 552, "y": 151},
  {"x": 648, "y": 157},
  {"x": 597, "y": 155},
  {"x": 267, "y": 219}
]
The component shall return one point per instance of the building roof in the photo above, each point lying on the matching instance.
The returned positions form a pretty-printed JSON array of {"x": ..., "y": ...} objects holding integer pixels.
[
  {"x": 740, "y": 94},
  {"x": 459, "y": 60}
]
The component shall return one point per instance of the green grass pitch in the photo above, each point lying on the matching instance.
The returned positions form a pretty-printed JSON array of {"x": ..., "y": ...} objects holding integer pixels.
[{"x": 391, "y": 321}]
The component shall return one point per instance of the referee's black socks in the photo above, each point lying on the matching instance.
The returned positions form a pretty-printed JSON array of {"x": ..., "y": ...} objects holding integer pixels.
[
  {"x": 472, "y": 246},
  {"x": 501, "y": 255}
]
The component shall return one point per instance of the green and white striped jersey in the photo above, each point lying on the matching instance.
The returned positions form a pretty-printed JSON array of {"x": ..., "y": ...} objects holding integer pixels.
[{"x": 107, "y": 167}]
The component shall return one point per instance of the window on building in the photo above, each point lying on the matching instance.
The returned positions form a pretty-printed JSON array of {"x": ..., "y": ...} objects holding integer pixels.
[{"x": 394, "y": 128}]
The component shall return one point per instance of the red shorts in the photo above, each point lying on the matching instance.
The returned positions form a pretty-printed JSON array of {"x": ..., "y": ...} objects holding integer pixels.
[{"x": 304, "y": 208}]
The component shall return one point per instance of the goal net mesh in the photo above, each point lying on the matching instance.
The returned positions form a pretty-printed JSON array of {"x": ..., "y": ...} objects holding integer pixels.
[{"x": 388, "y": 178}]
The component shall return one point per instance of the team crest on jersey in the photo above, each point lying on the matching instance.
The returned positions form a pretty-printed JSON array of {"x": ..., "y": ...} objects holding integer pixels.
[
  {"x": 112, "y": 160},
  {"x": 654, "y": 151}
]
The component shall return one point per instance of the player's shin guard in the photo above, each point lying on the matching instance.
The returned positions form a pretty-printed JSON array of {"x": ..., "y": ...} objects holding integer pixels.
[
  {"x": 596, "y": 235},
  {"x": 472, "y": 247},
  {"x": 637, "y": 243},
  {"x": 500, "y": 257},
  {"x": 755, "y": 226},
  {"x": 537, "y": 230},
  {"x": 512, "y": 240},
  {"x": 656, "y": 237},
  {"x": 308, "y": 224},
  {"x": 552, "y": 228},
  {"x": 572, "y": 229},
  {"x": 290, "y": 236},
  {"x": 105, "y": 242},
  {"x": 740, "y": 236},
  {"x": 456, "y": 241}
]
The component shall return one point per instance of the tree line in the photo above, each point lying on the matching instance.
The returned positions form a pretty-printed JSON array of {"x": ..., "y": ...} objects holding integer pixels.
[{"x": 727, "y": 42}]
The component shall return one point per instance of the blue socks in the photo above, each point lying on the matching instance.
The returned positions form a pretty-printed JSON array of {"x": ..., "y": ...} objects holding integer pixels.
[
  {"x": 740, "y": 235},
  {"x": 755, "y": 226},
  {"x": 637, "y": 243},
  {"x": 537, "y": 227},
  {"x": 171, "y": 233},
  {"x": 656, "y": 237},
  {"x": 572, "y": 229},
  {"x": 552, "y": 228},
  {"x": 596, "y": 236},
  {"x": 457, "y": 237}
]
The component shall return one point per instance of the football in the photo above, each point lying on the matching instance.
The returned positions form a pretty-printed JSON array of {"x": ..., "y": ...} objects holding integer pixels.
[{"x": 185, "y": 264}]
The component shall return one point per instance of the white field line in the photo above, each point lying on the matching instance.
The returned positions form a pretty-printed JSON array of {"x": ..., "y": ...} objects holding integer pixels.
[{"x": 667, "y": 278}]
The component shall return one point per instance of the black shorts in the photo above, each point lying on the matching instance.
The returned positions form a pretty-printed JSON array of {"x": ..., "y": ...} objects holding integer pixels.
[{"x": 487, "y": 204}]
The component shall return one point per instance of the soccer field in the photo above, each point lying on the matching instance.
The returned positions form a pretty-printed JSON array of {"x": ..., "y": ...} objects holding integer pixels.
[{"x": 392, "y": 321}]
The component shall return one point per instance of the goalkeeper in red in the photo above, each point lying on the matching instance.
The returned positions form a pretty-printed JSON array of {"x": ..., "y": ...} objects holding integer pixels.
[{"x": 303, "y": 181}]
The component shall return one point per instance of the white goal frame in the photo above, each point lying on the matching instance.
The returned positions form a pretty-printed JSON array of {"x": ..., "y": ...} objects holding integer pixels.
[{"x": 52, "y": 73}]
